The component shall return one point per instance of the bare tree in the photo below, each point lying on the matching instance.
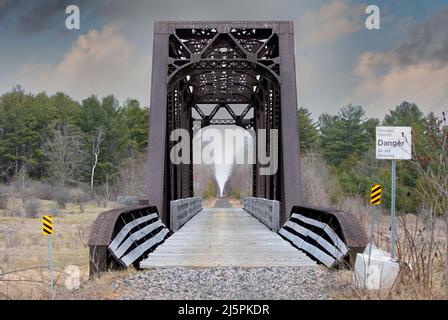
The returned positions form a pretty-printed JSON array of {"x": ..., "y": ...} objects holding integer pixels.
[
  {"x": 202, "y": 175},
  {"x": 239, "y": 183},
  {"x": 96, "y": 148},
  {"x": 318, "y": 184},
  {"x": 432, "y": 164},
  {"x": 133, "y": 176},
  {"x": 64, "y": 150},
  {"x": 5, "y": 168}
]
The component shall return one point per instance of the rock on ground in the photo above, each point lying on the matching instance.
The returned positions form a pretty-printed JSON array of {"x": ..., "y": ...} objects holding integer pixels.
[{"x": 276, "y": 283}]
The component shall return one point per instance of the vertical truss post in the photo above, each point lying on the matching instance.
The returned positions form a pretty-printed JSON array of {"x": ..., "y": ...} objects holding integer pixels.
[
  {"x": 289, "y": 124},
  {"x": 157, "y": 144}
]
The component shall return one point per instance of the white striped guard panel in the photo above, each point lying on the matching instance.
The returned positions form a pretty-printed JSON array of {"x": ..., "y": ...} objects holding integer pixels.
[{"x": 127, "y": 228}]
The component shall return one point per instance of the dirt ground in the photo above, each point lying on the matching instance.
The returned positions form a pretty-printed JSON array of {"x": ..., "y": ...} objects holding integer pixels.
[
  {"x": 24, "y": 260},
  {"x": 422, "y": 258},
  {"x": 24, "y": 272},
  {"x": 24, "y": 249}
]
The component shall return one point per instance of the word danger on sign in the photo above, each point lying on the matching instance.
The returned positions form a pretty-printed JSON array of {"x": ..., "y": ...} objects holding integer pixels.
[{"x": 394, "y": 143}]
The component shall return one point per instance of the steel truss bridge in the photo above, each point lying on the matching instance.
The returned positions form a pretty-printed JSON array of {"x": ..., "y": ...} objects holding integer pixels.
[{"x": 200, "y": 71}]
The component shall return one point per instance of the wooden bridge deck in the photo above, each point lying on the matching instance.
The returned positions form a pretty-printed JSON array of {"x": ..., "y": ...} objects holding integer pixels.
[{"x": 225, "y": 237}]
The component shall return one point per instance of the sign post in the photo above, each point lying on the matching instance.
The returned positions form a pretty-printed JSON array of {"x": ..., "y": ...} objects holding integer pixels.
[
  {"x": 392, "y": 208},
  {"x": 375, "y": 200},
  {"x": 393, "y": 143},
  {"x": 47, "y": 230}
]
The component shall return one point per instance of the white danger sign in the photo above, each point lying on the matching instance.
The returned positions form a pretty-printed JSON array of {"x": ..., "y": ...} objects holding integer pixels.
[{"x": 394, "y": 143}]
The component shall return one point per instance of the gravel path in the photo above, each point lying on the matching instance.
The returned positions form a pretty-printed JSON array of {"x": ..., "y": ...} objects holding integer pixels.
[
  {"x": 276, "y": 283},
  {"x": 222, "y": 203}
]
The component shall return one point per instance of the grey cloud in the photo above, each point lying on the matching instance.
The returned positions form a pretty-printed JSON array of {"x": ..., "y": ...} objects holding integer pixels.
[
  {"x": 415, "y": 70},
  {"x": 428, "y": 42},
  {"x": 6, "y": 7},
  {"x": 202, "y": 9},
  {"x": 32, "y": 16}
]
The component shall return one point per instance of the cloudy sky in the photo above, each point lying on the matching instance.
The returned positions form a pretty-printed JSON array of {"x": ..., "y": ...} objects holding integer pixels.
[{"x": 338, "y": 60}]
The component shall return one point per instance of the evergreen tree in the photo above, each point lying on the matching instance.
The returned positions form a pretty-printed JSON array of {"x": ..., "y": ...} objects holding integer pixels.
[
  {"x": 343, "y": 135},
  {"x": 136, "y": 120},
  {"x": 407, "y": 114},
  {"x": 21, "y": 133},
  {"x": 34, "y": 129},
  {"x": 103, "y": 130},
  {"x": 308, "y": 133}
]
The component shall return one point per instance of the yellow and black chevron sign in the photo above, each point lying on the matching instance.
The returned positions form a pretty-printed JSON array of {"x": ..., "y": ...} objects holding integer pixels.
[
  {"x": 47, "y": 225},
  {"x": 375, "y": 194}
]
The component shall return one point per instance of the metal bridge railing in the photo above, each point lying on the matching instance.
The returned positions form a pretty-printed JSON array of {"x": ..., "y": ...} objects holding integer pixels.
[
  {"x": 183, "y": 210},
  {"x": 265, "y": 210}
]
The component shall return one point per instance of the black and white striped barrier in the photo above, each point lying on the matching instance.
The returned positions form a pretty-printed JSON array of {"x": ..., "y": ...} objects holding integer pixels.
[
  {"x": 123, "y": 237},
  {"x": 137, "y": 238},
  {"x": 330, "y": 237}
]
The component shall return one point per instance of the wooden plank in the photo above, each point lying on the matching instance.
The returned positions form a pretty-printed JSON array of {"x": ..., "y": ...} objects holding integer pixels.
[
  {"x": 225, "y": 237},
  {"x": 137, "y": 252}
]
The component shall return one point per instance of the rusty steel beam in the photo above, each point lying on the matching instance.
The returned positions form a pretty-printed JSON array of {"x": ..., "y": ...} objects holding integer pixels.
[
  {"x": 291, "y": 183},
  {"x": 157, "y": 143},
  {"x": 225, "y": 63},
  {"x": 228, "y": 58}
]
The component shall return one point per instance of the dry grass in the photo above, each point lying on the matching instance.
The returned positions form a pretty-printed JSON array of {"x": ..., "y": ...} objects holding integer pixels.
[
  {"x": 422, "y": 260},
  {"x": 3, "y": 201},
  {"x": 24, "y": 272},
  {"x": 208, "y": 203},
  {"x": 23, "y": 249},
  {"x": 99, "y": 288},
  {"x": 235, "y": 203},
  {"x": 319, "y": 187},
  {"x": 23, "y": 254},
  {"x": 421, "y": 245}
]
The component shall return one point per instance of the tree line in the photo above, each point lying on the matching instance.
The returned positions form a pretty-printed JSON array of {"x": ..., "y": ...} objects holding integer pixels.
[
  {"x": 346, "y": 141},
  {"x": 57, "y": 139},
  {"x": 61, "y": 140}
]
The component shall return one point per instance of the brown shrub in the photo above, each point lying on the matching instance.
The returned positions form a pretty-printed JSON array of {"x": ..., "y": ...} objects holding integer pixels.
[
  {"x": 318, "y": 185},
  {"x": 4, "y": 196},
  {"x": 79, "y": 197},
  {"x": 61, "y": 195},
  {"x": 3, "y": 201},
  {"x": 32, "y": 207}
]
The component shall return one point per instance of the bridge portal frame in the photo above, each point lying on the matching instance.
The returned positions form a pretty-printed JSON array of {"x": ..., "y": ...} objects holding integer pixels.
[{"x": 158, "y": 193}]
